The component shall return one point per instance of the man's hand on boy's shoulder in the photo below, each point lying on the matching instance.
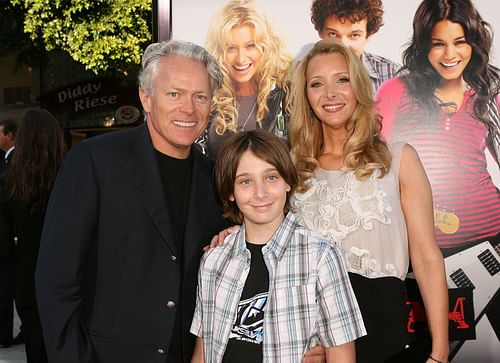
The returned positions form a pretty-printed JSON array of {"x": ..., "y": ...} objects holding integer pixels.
[{"x": 315, "y": 355}]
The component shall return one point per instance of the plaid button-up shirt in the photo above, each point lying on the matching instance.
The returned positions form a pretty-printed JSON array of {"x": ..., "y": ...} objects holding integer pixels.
[
  {"x": 310, "y": 297},
  {"x": 379, "y": 68}
]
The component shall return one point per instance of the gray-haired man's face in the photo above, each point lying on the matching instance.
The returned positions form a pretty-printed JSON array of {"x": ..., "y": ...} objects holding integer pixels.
[{"x": 178, "y": 106}]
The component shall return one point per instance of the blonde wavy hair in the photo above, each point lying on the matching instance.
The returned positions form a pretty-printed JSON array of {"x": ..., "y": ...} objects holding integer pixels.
[
  {"x": 364, "y": 150},
  {"x": 273, "y": 68}
]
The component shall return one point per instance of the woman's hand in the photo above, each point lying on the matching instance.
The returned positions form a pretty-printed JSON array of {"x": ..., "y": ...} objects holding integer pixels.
[
  {"x": 434, "y": 359},
  {"x": 218, "y": 239},
  {"x": 315, "y": 355}
]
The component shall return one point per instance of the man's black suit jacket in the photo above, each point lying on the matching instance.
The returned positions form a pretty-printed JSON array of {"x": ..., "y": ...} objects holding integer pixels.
[
  {"x": 4, "y": 162},
  {"x": 108, "y": 273},
  {"x": 6, "y": 260}
]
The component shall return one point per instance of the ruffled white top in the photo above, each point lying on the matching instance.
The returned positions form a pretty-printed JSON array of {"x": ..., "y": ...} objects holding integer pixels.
[{"x": 363, "y": 218}]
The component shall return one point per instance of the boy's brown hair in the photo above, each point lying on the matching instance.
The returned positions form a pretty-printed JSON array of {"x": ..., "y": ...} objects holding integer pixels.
[
  {"x": 265, "y": 146},
  {"x": 352, "y": 10}
]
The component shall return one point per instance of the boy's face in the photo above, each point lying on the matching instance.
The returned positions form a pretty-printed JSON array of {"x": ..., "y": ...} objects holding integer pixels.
[
  {"x": 352, "y": 34},
  {"x": 260, "y": 192}
]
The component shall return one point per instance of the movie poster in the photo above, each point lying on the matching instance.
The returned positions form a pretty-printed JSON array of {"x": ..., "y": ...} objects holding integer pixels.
[{"x": 462, "y": 165}]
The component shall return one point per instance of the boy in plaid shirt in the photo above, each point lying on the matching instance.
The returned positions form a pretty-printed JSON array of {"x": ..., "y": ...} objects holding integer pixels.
[{"x": 274, "y": 289}]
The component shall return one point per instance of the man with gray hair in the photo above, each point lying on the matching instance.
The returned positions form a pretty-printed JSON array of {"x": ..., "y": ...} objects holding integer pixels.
[{"x": 126, "y": 223}]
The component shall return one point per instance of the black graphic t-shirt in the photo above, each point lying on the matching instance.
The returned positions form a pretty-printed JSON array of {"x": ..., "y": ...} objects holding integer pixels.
[{"x": 245, "y": 340}]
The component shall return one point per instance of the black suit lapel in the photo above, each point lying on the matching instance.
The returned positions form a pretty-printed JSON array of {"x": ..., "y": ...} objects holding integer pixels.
[
  {"x": 201, "y": 193},
  {"x": 144, "y": 176},
  {"x": 5, "y": 161}
]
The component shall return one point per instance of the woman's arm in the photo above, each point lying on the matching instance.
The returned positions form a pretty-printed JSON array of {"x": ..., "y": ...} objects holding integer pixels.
[
  {"x": 426, "y": 258},
  {"x": 344, "y": 353},
  {"x": 198, "y": 351}
]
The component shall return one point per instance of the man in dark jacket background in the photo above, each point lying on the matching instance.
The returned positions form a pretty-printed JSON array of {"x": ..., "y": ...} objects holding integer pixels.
[{"x": 8, "y": 129}]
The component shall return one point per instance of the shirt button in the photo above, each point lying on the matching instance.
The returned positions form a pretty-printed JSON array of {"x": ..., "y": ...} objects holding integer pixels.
[
  {"x": 170, "y": 304},
  {"x": 173, "y": 258},
  {"x": 160, "y": 351}
]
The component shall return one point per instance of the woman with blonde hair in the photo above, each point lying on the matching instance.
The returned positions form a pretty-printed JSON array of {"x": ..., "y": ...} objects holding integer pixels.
[
  {"x": 255, "y": 62},
  {"x": 371, "y": 200}
]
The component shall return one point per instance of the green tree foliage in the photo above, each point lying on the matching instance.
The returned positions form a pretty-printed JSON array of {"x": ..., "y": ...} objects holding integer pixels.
[{"x": 100, "y": 34}]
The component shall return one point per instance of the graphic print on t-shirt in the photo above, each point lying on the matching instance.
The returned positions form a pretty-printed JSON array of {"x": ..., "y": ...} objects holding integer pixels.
[{"x": 250, "y": 319}]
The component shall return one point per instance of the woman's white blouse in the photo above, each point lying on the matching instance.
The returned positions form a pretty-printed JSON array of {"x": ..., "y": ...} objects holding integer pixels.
[{"x": 363, "y": 218}]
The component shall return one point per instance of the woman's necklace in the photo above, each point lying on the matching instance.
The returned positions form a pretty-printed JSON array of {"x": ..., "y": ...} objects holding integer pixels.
[
  {"x": 450, "y": 100},
  {"x": 448, "y": 109},
  {"x": 248, "y": 116}
]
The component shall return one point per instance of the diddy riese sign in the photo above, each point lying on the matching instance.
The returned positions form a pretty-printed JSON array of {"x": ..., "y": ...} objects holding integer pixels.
[{"x": 95, "y": 103}]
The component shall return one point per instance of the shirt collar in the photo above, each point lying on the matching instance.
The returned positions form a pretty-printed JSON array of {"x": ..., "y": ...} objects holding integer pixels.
[
  {"x": 365, "y": 58},
  {"x": 278, "y": 242},
  {"x": 7, "y": 153}
]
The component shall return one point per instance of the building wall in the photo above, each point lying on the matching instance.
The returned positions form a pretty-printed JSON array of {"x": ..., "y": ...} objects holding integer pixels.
[{"x": 22, "y": 77}]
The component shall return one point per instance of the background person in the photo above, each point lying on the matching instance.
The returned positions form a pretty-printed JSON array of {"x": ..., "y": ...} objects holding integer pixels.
[
  {"x": 254, "y": 63},
  {"x": 373, "y": 201},
  {"x": 8, "y": 129},
  {"x": 354, "y": 22},
  {"x": 40, "y": 150},
  {"x": 443, "y": 107},
  {"x": 270, "y": 272}
]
